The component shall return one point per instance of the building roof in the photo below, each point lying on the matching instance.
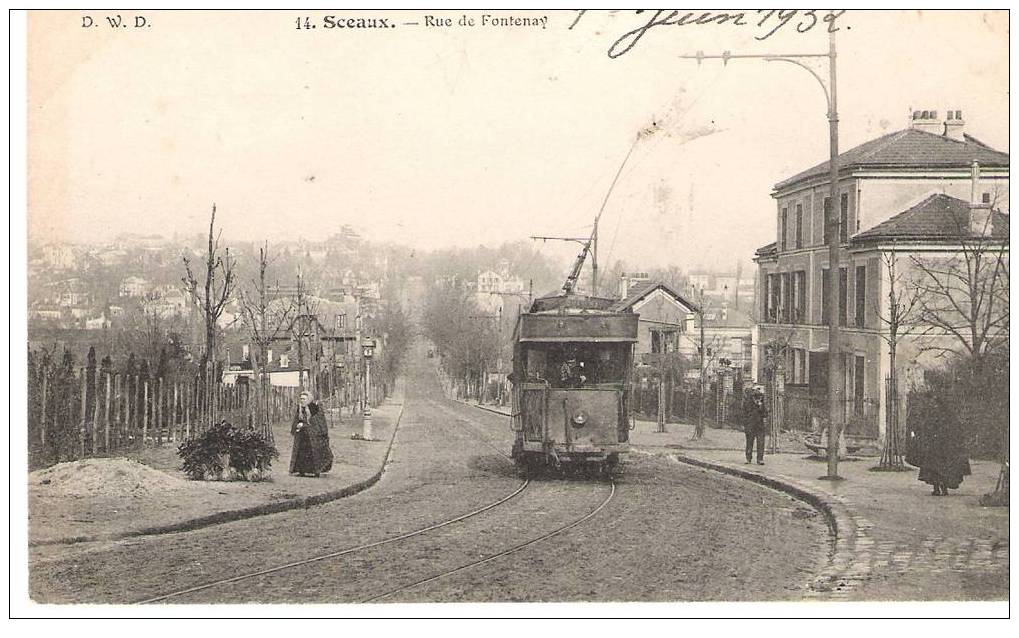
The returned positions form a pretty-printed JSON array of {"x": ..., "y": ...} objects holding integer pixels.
[
  {"x": 938, "y": 217},
  {"x": 734, "y": 318},
  {"x": 767, "y": 251},
  {"x": 909, "y": 148},
  {"x": 642, "y": 289}
]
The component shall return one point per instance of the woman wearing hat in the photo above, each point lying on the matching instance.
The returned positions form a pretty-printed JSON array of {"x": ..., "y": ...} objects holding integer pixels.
[{"x": 311, "y": 453}]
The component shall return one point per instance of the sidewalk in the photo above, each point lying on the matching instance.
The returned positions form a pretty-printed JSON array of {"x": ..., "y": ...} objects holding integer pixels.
[
  {"x": 907, "y": 545},
  {"x": 680, "y": 436},
  {"x": 504, "y": 410},
  {"x": 155, "y": 497}
]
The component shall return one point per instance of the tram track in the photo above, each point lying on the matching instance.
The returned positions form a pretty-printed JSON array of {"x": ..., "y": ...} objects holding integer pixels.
[
  {"x": 366, "y": 547},
  {"x": 506, "y": 552},
  {"x": 486, "y": 441},
  {"x": 359, "y": 548},
  {"x": 330, "y": 555}
]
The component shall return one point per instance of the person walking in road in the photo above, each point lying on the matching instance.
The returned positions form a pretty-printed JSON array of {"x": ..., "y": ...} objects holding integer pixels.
[
  {"x": 754, "y": 428},
  {"x": 311, "y": 453}
]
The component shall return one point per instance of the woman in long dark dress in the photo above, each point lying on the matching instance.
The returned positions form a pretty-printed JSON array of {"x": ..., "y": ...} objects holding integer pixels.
[
  {"x": 311, "y": 453},
  {"x": 936, "y": 443}
]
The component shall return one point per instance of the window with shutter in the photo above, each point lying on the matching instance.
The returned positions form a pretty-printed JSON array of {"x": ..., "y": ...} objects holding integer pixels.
[
  {"x": 861, "y": 296},
  {"x": 799, "y": 225},
  {"x": 844, "y": 218},
  {"x": 824, "y": 220},
  {"x": 825, "y": 295},
  {"x": 843, "y": 296}
]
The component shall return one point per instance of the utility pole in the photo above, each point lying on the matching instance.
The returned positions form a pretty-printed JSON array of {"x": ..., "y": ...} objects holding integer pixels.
[
  {"x": 739, "y": 274},
  {"x": 699, "y": 432},
  {"x": 594, "y": 250},
  {"x": 836, "y": 382},
  {"x": 661, "y": 395},
  {"x": 836, "y": 405}
]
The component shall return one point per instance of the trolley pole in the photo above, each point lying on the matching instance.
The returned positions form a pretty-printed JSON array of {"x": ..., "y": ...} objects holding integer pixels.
[{"x": 836, "y": 406}]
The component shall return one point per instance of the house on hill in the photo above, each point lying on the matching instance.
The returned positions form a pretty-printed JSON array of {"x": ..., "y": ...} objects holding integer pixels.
[{"x": 498, "y": 289}]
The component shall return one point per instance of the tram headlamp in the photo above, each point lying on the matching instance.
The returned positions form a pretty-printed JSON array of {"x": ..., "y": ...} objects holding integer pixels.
[{"x": 580, "y": 418}]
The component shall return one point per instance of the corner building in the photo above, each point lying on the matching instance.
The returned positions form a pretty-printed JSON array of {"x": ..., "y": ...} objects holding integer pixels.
[{"x": 912, "y": 192}]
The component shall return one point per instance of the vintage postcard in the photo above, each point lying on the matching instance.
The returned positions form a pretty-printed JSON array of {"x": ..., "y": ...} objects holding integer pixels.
[{"x": 358, "y": 307}]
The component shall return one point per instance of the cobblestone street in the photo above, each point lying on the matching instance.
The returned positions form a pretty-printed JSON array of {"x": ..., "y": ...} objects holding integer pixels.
[{"x": 907, "y": 544}]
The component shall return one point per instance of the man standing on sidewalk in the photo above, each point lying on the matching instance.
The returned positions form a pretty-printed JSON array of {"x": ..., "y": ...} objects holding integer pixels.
[{"x": 754, "y": 415}]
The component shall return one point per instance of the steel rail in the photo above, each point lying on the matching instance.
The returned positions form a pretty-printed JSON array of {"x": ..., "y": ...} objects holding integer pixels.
[
  {"x": 487, "y": 442},
  {"x": 349, "y": 550},
  {"x": 343, "y": 552},
  {"x": 506, "y": 552}
]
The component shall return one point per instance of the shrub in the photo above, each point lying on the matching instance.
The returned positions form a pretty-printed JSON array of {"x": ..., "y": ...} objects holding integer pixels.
[
  {"x": 245, "y": 450},
  {"x": 977, "y": 400},
  {"x": 249, "y": 451}
]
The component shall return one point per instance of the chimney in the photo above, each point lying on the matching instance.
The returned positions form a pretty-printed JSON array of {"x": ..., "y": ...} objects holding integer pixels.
[
  {"x": 927, "y": 121},
  {"x": 627, "y": 279},
  {"x": 954, "y": 125},
  {"x": 981, "y": 220}
]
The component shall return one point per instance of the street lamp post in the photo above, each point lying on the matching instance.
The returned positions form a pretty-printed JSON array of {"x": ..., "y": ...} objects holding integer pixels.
[
  {"x": 833, "y": 234},
  {"x": 368, "y": 350},
  {"x": 341, "y": 386}
]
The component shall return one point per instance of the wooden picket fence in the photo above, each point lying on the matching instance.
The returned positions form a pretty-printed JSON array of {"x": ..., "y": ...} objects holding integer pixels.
[{"x": 75, "y": 414}]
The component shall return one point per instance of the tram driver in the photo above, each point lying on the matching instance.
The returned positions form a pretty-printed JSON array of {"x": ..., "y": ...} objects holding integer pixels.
[{"x": 571, "y": 371}]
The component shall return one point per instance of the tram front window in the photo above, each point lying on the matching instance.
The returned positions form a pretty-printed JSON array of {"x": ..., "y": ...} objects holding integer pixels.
[{"x": 577, "y": 365}]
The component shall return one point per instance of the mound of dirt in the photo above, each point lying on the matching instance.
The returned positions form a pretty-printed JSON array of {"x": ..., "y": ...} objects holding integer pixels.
[{"x": 103, "y": 477}]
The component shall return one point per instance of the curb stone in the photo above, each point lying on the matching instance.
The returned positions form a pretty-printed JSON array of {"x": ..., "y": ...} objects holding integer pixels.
[
  {"x": 848, "y": 563},
  {"x": 230, "y": 516},
  {"x": 486, "y": 408}
]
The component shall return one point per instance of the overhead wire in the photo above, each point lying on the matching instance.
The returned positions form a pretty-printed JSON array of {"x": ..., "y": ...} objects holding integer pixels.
[{"x": 646, "y": 152}]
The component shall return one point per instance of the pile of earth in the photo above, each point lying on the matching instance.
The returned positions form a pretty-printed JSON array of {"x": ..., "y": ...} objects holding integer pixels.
[{"x": 102, "y": 477}]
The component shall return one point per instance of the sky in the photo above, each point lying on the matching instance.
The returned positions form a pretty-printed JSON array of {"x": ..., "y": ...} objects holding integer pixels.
[{"x": 436, "y": 136}]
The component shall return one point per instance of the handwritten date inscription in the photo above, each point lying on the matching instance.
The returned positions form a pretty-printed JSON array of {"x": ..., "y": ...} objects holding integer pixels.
[{"x": 766, "y": 21}]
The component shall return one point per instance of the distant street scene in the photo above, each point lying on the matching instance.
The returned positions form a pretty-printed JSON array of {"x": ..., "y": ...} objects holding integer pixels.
[{"x": 741, "y": 335}]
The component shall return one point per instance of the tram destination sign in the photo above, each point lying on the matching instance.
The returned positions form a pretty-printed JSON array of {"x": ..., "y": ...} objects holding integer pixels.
[{"x": 620, "y": 327}]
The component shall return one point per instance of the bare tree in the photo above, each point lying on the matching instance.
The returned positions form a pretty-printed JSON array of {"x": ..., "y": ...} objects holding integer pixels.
[
  {"x": 708, "y": 352},
  {"x": 302, "y": 327},
  {"x": 446, "y": 322},
  {"x": 210, "y": 297},
  {"x": 899, "y": 316},
  {"x": 774, "y": 354},
  {"x": 965, "y": 296},
  {"x": 266, "y": 316}
]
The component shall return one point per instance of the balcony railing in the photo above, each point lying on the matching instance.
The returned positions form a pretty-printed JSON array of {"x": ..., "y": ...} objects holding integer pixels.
[{"x": 784, "y": 315}]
